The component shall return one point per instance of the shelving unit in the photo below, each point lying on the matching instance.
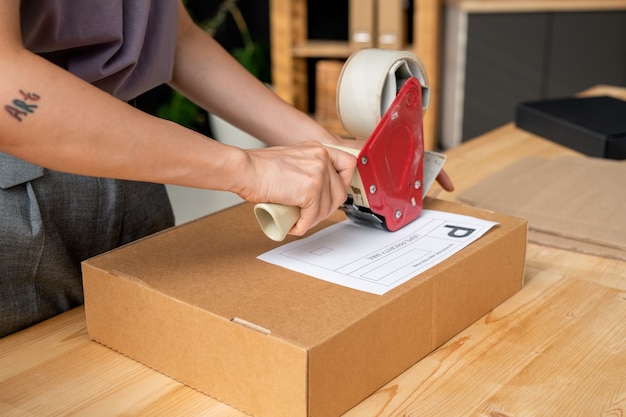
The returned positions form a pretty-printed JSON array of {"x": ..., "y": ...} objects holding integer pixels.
[{"x": 291, "y": 49}]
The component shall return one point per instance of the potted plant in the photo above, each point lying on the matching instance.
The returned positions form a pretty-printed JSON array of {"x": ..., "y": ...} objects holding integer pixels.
[{"x": 253, "y": 55}]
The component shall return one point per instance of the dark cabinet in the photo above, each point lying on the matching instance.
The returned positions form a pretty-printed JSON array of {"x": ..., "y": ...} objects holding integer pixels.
[{"x": 495, "y": 60}]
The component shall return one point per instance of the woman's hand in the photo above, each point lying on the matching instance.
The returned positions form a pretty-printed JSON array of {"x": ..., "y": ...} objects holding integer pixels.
[{"x": 309, "y": 175}]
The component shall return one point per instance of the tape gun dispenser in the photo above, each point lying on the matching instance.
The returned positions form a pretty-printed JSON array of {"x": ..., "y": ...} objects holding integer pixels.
[{"x": 381, "y": 95}]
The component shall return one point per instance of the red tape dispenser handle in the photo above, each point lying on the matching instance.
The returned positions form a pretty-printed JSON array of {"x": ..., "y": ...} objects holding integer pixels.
[{"x": 391, "y": 164}]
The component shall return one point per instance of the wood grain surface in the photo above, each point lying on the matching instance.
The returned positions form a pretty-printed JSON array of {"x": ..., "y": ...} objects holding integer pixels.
[{"x": 556, "y": 348}]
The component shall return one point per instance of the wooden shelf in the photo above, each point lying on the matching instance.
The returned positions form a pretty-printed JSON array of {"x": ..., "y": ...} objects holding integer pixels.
[
  {"x": 323, "y": 49},
  {"x": 291, "y": 49}
]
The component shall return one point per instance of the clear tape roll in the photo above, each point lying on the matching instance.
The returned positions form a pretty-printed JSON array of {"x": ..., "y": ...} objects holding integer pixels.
[{"x": 369, "y": 82}]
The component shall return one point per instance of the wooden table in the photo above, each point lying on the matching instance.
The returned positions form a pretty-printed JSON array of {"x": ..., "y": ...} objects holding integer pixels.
[{"x": 557, "y": 348}]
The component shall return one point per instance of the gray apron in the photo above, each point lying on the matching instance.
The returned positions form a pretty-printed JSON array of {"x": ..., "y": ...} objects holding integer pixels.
[{"x": 51, "y": 221}]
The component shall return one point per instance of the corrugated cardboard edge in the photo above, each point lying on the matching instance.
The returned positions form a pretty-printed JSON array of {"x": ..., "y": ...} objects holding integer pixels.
[{"x": 163, "y": 345}]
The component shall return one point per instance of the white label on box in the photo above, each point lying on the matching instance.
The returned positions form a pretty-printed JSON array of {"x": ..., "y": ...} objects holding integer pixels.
[{"x": 374, "y": 260}]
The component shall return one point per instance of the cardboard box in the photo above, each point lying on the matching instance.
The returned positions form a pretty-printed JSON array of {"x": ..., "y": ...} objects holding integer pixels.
[
  {"x": 595, "y": 126},
  {"x": 580, "y": 208},
  {"x": 194, "y": 303}
]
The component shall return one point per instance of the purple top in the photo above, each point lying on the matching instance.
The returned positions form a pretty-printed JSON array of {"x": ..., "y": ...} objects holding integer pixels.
[{"x": 124, "y": 47}]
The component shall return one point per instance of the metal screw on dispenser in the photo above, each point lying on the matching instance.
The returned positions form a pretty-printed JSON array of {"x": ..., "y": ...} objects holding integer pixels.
[
  {"x": 418, "y": 184},
  {"x": 364, "y": 160},
  {"x": 398, "y": 214},
  {"x": 372, "y": 189}
]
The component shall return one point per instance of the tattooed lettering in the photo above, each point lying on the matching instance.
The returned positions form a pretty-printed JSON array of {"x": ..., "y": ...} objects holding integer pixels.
[{"x": 22, "y": 107}]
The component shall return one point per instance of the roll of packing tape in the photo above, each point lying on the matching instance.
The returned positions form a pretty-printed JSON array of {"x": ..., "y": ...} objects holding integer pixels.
[{"x": 368, "y": 83}]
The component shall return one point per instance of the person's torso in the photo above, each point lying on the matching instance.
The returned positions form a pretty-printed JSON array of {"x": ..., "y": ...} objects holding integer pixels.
[{"x": 124, "y": 47}]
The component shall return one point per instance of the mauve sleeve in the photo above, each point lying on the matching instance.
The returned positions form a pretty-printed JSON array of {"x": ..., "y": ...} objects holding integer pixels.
[{"x": 124, "y": 47}]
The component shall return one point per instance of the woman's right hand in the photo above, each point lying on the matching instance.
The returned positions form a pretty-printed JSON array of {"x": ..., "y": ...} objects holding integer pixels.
[{"x": 308, "y": 175}]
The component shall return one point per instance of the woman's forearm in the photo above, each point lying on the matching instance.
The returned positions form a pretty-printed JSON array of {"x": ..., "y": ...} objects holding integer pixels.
[{"x": 51, "y": 118}]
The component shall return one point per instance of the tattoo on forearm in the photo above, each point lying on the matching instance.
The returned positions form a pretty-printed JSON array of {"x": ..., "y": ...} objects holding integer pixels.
[{"x": 22, "y": 106}]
